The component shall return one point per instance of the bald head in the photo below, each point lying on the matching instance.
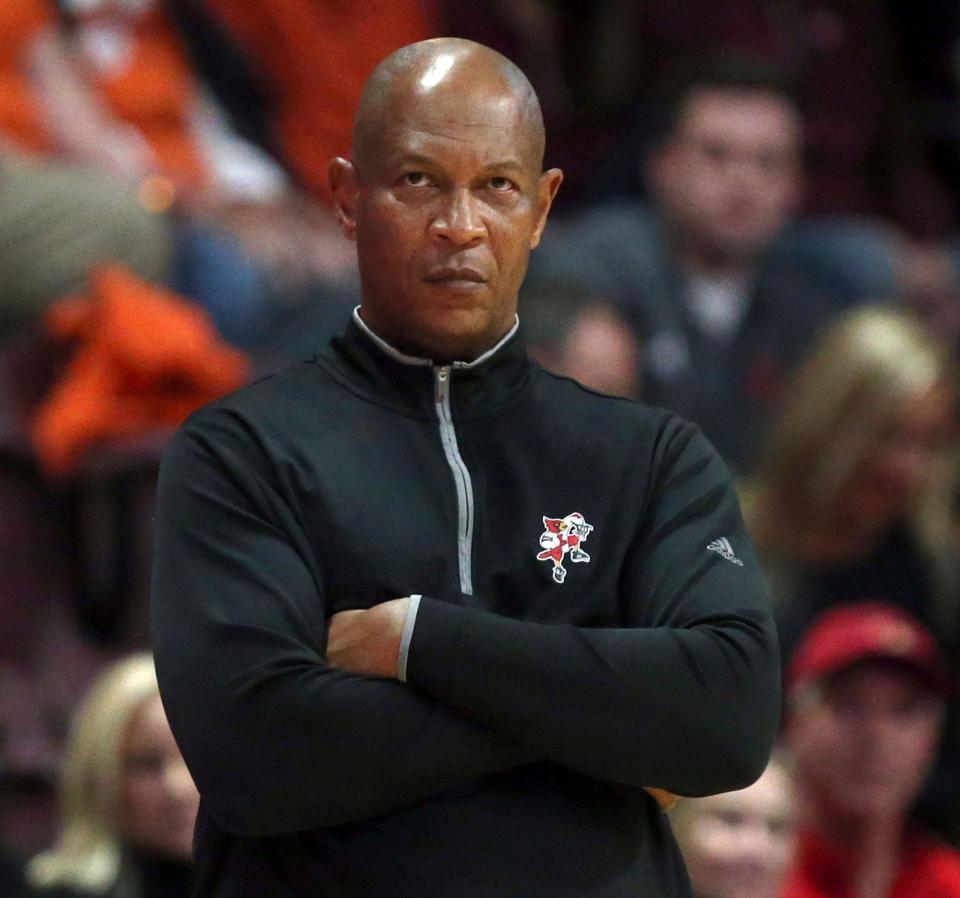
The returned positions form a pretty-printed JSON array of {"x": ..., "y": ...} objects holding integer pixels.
[{"x": 441, "y": 74}]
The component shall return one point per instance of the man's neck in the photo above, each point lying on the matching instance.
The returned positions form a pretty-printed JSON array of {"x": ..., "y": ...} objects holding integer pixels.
[
  {"x": 412, "y": 354},
  {"x": 700, "y": 260},
  {"x": 872, "y": 844}
]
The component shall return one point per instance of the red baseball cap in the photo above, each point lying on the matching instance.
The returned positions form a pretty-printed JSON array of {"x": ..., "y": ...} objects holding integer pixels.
[{"x": 843, "y": 636}]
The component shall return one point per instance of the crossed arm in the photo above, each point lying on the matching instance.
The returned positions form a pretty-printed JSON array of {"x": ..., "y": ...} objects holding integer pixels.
[
  {"x": 283, "y": 733},
  {"x": 368, "y": 642}
]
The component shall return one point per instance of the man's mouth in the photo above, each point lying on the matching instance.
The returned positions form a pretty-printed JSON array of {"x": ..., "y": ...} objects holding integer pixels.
[{"x": 456, "y": 277}]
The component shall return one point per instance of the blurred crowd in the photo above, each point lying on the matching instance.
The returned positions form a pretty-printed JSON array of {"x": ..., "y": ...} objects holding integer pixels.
[{"x": 759, "y": 229}]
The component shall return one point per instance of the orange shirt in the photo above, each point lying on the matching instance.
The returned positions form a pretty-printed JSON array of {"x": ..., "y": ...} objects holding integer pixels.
[
  {"x": 20, "y": 22},
  {"x": 154, "y": 90},
  {"x": 929, "y": 869},
  {"x": 316, "y": 57}
]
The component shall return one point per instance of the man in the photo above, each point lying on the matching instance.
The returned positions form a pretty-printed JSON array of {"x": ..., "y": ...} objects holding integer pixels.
[
  {"x": 722, "y": 316},
  {"x": 378, "y": 684},
  {"x": 866, "y": 690}
]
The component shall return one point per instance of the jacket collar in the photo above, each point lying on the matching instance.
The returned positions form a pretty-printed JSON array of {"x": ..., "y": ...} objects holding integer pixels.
[
  {"x": 368, "y": 365},
  {"x": 405, "y": 359}
]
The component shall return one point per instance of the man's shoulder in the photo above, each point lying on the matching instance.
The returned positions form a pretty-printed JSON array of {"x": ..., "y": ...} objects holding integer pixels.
[
  {"x": 568, "y": 396},
  {"x": 615, "y": 215},
  {"x": 271, "y": 396},
  {"x": 632, "y": 228},
  {"x": 268, "y": 416},
  {"x": 614, "y": 248}
]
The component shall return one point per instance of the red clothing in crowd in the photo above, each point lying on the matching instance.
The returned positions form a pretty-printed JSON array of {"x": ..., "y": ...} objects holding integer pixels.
[
  {"x": 928, "y": 869},
  {"x": 148, "y": 85},
  {"x": 21, "y": 21},
  {"x": 317, "y": 57},
  {"x": 153, "y": 88}
]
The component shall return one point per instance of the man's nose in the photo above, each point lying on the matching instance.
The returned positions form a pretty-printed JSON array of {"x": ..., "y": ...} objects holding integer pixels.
[
  {"x": 458, "y": 220},
  {"x": 743, "y": 169},
  {"x": 756, "y": 840}
]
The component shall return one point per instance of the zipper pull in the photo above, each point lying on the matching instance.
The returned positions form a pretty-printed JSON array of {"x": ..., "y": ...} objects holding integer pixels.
[{"x": 443, "y": 385}]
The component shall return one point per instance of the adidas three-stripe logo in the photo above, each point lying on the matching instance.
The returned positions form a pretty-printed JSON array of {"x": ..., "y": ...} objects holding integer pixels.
[{"x": 722, "y": 547}]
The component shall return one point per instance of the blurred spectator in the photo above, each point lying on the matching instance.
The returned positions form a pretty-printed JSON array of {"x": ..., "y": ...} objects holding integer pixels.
[
  {"x": 61, "y": 214},
  {"x": 108, "y": 85},
  {"x": 848, "y": 500},
  {"x": 720, "y": 321},
  {"x": 114, "y": 87},
  {"x": 853, "y": 260},
  {"x": 582, "y": 337},
  {"x": 128, "y": 803},
  {"x": 865, "y": 692},
  {"x": 851, "y": 498},
  {"x": 739, "y": 844},
  {"x": 866, "y": 152},
  {"x": 57, "y": 221}
]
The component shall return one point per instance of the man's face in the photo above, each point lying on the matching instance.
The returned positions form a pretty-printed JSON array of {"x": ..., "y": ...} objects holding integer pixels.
[
  {"x": 728, "y": 177},
  {"x": 446, "y": 210},
  {"x": 897, "y": 466},
  {"x": 864, "y": 746}
]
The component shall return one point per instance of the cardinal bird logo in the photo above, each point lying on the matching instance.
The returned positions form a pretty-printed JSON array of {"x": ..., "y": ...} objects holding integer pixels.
[{"x": 563, "y": 538}]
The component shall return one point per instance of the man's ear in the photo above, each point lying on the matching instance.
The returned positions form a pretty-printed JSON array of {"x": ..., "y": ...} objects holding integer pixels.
[
  {"x": 344, "y": 186},
  {"x": 547, "y": 189}
]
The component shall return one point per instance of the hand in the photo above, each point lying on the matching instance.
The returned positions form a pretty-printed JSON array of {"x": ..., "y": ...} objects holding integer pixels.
[{"x": 368, "y": 642}]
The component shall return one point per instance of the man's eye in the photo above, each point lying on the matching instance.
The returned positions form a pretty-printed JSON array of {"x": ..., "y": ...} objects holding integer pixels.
[
  {"x": 501, "y": 184},
  {"x": 415, "y": 179}
]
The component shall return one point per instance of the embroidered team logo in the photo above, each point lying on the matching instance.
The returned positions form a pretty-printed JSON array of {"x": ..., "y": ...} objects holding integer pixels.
[{"x": 563, "y": 538}]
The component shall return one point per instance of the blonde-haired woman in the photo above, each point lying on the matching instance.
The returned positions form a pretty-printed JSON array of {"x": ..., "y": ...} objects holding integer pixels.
[
  {"x": 128, "y": 804},
  {"x": 850, "y": 500}
]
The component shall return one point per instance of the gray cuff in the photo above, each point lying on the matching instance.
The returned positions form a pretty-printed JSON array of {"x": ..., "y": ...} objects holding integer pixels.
[{"x": 406, "y": 636}]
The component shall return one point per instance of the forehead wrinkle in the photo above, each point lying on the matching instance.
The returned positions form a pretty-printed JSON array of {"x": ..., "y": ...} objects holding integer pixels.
[{"x": 406, "y": 142}]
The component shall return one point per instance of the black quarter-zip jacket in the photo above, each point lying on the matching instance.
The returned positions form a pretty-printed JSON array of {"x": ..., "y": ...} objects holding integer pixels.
[{"x": 538, "y": 702}]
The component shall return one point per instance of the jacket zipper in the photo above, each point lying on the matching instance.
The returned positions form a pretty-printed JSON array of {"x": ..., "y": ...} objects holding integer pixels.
[{"x": 461, "y": 478}]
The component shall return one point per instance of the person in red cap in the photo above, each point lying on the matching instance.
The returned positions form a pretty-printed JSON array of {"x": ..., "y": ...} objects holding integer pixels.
[{"x": 866, "y": 693}]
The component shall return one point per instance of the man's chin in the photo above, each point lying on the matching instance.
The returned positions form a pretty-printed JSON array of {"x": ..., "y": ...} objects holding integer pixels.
[{"x": 462, "y": 336}]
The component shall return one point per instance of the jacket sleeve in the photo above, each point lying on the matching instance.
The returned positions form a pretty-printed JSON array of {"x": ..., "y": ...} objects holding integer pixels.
[
  {"x": 684, "y": 696},
  {"x": 276, "y": 740}
]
